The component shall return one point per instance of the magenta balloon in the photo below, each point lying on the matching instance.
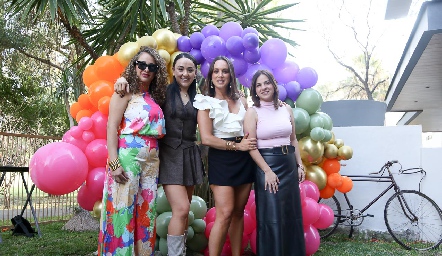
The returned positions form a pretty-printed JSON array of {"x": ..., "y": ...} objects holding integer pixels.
[
  {"x": 95, "y": 181},
  {"x": 273, "y": 52},
  {"x": 96, "y": 153},
  {"x": 85, "y": 199},
  {"x": 183, "y": 44},
  {"x": 212, "y": 47},
  {"x": 310, "y": 211},
  {"x": 230, "y": 29},
  {"x": 293, "y": 90},
  {"x": 211, "y": 215},
  {"x": 311, "y": 190},
  {"x": 326, "y": 217},
  {"x": 205, "y": 68},
  {"x": 252, "y": 56},
  {"x": 210, "y": 30},
  {"x": 249, "y": 30},
  {"x": 307, "y": 77},
  {"x": 250, "y": 41},
  {"x": 196, "y": 39},
  {"x": 249, "y": 224},
  {"x": 76, "y": 132},
  {"x": 234, "y": 45},
  {"x": 302, "y": 192},
  {"x": 58, "y": 168},
  {"x": 88, "y": 136},
  {"x": 312, "y": 239},
  {"x": 282, "y": 92},
  {"x": 100, "y": 123},
  {"x": 286, "y": 72},
  {"x": 85, "y": 123},
  {"x": 239, "y": 65},
  {"x": 79, "y": 143},
  {"x": 253, "y": 211},
  {"x": 197, "y": 55},
  {"x": 253, "y": 241}
]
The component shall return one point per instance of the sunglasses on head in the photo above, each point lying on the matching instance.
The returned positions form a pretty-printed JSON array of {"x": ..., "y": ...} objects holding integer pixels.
[{"x": 142, "y": 65}]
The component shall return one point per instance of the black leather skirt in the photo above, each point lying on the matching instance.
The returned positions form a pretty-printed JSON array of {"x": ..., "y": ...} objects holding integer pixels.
[{"x": 279, "y": 216}]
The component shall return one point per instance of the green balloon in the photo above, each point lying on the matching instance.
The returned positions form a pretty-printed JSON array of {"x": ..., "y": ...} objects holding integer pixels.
[
  {"x": 190, "y": 233},
  {"x": 302, "y": 120},
  {"x": 199, "y": 225},
  {"x": 310, "y": 100},
  {"x": 290, "y": 102},
  {"x": 198, "y": 242},
  {"x": 316, "y": 120},
  {"x": 157, "y": 243},
  {"x": 163, "y": 246},
  {"x": 162, "y": 204},
  {"x": 328, "y": 136},
  {"x": 190, "y": 218},
  {"x": 162, "y": 223},
  {"x": 198, "y": 206},
  {"x": 317, "y": 134},
  {"x": 328, "y": 123}
]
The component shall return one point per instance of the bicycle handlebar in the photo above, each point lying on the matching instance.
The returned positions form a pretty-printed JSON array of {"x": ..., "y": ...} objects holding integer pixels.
[{"x": 385, "y": 166}]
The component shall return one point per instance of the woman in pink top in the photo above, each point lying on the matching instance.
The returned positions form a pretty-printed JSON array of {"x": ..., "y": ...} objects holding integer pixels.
[{"x": 279, "y": 168}]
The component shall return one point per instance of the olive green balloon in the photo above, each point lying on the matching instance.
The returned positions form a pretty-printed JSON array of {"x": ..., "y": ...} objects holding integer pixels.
[
  {"x": 345, "y": 152},
  {"x": 316, "y": 120},
  {"x": 327, "y": 135},
  {"x": 316, "y": 175},
  {"x": 330, "y": 151},
  {"x": 163, "y": 246},
  {"x": 198, "y": 242},
  {"x": 162, "y": 204},
  {"x": 317, "y": 134},
  {"x": 328, "y": 123},
  {"x": 199, "y": 225},
  {"x": 339, "y": 143},
  {"x": 162, "y": 223},
  {"x": 302, "y": 120},
  {"x": 310, "y": 100},
  {"x": 198, "y": 206},
  {"x": 310, "y": 150},
  {"x": 190, "y": 233},
  {"x": 190, "y": 218},
  {"x": 290, "y": 102}
]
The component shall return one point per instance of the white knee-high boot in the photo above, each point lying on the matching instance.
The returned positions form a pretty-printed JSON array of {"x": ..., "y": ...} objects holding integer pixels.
[{"x": 176, "y": 245}]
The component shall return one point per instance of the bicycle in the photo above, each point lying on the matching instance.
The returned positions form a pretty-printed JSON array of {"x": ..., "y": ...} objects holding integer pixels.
[{"x": 413, "y": 219}]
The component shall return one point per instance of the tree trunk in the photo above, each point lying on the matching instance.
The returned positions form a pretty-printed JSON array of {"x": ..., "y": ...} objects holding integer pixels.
[
  {"x": 185, "y": 24},
  {"x": 172, "y": 16}
]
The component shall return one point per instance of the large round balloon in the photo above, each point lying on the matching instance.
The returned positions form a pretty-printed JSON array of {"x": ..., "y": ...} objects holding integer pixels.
[
  {"x": 310, "y": 100},
  {"x": 198, "y": 207},
  {"x": 273, "y": 52},
  {"x": 162, "y": 223},
  {"x": 315, "y": 174},
  {"x": 307, "y": 77},
  {"x": 165, "y": 39},
  {"x": 311, "y": 150},
  {"x": 58, "y": 168}
]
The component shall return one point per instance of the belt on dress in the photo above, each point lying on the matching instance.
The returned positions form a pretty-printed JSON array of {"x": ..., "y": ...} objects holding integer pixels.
[
  {"x": 282, "y": 150},
  {"x": 236, "y": 139}
]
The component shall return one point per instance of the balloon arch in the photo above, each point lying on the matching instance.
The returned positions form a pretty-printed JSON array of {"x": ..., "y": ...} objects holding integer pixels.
[{"x": 79, "y": 160}]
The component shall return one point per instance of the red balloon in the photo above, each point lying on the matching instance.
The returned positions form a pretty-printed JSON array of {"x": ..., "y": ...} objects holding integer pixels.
[
  {"x": 211, "y": 215},
  {"x": 208, "y": 229},
  {"x": 95, "y": 181},
  {"x": 253, "y": 212},
  {"x": 312, "y": 239},
  {"x": 96, "y": 153},
  {"x": 227, "y": 249},
  {"x": 253, "y": 241},
  {"x": 245, "y": 241},
  {"x": 85, "y": 199},
  {"x": 249, "y": 224}
]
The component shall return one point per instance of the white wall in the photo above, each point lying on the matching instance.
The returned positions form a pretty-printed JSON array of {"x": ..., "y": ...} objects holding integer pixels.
[{"x": 432, "y": 164}]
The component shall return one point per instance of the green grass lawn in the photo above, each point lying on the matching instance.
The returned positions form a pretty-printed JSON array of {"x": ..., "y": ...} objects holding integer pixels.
[{"x": 60, "y": 242}]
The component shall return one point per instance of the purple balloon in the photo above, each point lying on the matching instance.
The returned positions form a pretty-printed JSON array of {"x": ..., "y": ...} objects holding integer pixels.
[
  {"x": 234, "y": 45},
  {"x": 198, "y": 56},
  {"x": 210, "y": 30},
  {"x": 250, "y": 41},
  {"x": 293, "y": 90},
  {"x": 273, "y": 52},
  {"x": 282, "y": 92},
  {"x": 243, "y": 80},
  {"x": 286, "y": 72},
  {"x": 184, "y": 44},
  {"x": 196, "y": 39},
  {"x": 230, "y": 29},
  {"x": 212, "y": 47},
  {"x": 248, "y": 76},
  {"x": 249, "y": 30},
  {"x": 307, "y": 77},
  {"x": 205, "y": 68},
  {"x": 252, "y": 56},
  {"x": 239, "y": 65}
]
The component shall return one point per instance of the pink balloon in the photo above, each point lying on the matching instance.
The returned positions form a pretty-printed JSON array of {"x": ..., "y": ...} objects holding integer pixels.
[
  {"x": 253, "y": 241},
  {"x": 249, "y": 224},
  {"x": 95, "y": 181},
  {"x": 311, "y": 190},
  {"x": 85, "y": 123},
  {"x": 326, "y": 217},
  {"x": 58, "y": 168},
  {"x": 208, "y": 229},
  {"x": 100, "y": 123},
  {"x": 88, "y": 136},
  {"x": 310, "y": 211},
  {"x": 273, "y": 52},
  {"x": 245, "y": 241},
  {"x": 85, "y": 199},
  {"x": 79, "y": 143},
  {"x": 302, "y": 193},
  {"x": 312, "y": 239},
  {"x": 253, "y": 212},
  {"x": 227, "y": 249},
  {"x": 76, "y": 132},
  {"x": 211, "y": 215},
  {"x": 96, "y": 153}
]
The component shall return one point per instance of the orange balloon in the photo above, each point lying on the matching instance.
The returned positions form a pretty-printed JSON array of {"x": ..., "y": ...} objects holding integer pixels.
[
  {"x": 83, "y": 113},
  {"x": 347, "y": 185},
  {"x": 103, "y": 105},
  {"x": 326, "y": 192},
  {"x": 100, "y": 89},
  {"x": 334, "y": 180},
  {"x": 84, "y": 101},
  {"x": 89, "y": 75},
  {"x": 108, "y": 68},
  {"x": 74, "y": 109},
  {"x": 331, "y": 166}
]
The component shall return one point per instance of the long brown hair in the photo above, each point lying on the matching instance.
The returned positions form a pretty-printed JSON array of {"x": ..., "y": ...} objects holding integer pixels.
[
  {"x": 232, "y": 88},
  {"x": 157, "y": 88},
  {"x": 272, "y": 80}
]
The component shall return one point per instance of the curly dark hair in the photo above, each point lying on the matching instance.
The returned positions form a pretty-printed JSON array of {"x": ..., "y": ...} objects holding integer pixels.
[
  {"x": 158, "y": 86},
  {"x": 232, "y": 88},
  {"x": 272, "y": 80}
]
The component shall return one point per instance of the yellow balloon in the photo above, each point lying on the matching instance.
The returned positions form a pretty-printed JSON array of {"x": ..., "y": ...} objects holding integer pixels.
[
  {"x": 165, "y": 39},
  {"x": 97, "y": 209},
  {"x": 316, "y": 175},
  {"x": 127, "y": 52},
  {"x": 165, "y": 55},
  {"x": 173, "y": 56},
  {"x": 339, "y": 143},
  {"x": 311, "y": 151},
  {"x": 345, "y": 153},
  {"x": 330, "y": 151},
  {"x": 176, "y": 38},
  {"x": 148, "y": 41}
]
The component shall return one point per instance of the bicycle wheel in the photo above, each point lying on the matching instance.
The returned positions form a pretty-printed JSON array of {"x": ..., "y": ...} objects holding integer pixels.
[
  {"x": 417, "y": 227},
  {"x": 336, "y": 207}
]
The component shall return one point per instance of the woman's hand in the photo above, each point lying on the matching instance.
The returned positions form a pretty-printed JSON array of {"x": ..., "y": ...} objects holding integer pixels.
[
  {"x": 301, "y": 173},
  {"x": 120, "y": 176},
  {"x": 246, "y": 144},
  {"x": 121, "y": 86},
  {"x": 271, "y": 182}
]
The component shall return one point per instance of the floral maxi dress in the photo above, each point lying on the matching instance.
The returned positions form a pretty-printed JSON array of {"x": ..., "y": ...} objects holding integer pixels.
[{"x": 127, "y": 224}]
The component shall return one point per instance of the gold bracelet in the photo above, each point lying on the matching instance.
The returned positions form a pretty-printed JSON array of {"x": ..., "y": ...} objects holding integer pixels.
[
  {"x": 233, "y": 145},
  {"x": 115, "y": 164}
]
